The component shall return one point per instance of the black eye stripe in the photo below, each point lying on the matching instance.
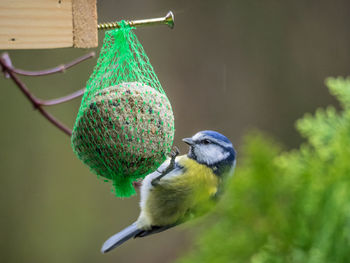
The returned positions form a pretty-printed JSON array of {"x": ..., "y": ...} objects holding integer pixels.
[
  {"x": 201, "y": 141},
  {"x": 205, "y": 141}
]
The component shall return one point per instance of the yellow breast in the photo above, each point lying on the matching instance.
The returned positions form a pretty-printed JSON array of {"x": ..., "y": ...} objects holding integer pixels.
[
  {"x": 188, "y": 193},
  {"x": 201, "y": 177}
]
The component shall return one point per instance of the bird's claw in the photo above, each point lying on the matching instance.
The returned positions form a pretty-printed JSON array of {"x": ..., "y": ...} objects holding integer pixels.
[{"x": 173, "y": 154}]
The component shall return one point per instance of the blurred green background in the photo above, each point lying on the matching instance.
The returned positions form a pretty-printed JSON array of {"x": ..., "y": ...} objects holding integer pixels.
[{"x": 228, "y": 66}]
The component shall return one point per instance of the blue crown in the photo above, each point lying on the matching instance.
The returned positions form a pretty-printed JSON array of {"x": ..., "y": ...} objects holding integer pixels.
[{"x": 216, "y": 135}]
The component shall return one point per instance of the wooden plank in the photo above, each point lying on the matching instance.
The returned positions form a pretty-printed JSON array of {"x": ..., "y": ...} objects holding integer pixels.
[
  {"x": 84, "y": 23},
  {"x": 35, "y": 24}
]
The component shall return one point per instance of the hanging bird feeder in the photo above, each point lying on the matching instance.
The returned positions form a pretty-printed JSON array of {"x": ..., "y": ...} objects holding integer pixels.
[{"x": 125, "y": 125}]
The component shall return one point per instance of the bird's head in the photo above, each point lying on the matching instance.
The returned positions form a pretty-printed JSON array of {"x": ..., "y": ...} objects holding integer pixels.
[{"x": 211, "y": 148}]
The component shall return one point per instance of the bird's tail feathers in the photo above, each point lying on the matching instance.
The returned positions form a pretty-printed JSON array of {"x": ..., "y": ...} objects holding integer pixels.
[{"x": 119, "y": 238}]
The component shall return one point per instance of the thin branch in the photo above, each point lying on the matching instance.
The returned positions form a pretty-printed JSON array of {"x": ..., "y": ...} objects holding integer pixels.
[
  {"x": 18, "y": 82},
  {"x": 36, "y": 104},
  {"x": 58, "y": 69},
  {"x": 6, "y": 61},
  {"x": 62, "y": 99},
  {"x": 10, "y": 72},
  {"x": 55, "y": 122}
]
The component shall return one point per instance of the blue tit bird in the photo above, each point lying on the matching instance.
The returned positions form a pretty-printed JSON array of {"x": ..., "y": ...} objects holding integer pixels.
[{"x": 183, "y": 187}]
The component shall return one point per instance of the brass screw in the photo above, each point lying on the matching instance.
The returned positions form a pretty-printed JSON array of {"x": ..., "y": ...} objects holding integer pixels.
[{"x": 166, "y": 20}]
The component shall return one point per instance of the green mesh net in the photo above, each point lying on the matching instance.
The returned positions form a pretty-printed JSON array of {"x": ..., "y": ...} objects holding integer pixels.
[{"x": 125, "y": 124}]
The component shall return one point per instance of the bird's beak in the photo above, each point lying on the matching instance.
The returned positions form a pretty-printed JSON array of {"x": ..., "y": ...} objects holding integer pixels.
[{"x": 189, "y": 141}]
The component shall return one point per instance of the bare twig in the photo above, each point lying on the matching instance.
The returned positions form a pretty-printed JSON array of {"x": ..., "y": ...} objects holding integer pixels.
[
  {"x": 58, "y": 69},
  {"x": 62, "y": 99},
  {"x": 36, "y": 105},
  {"x": 55, "y": 122},
  {"x": 10, "y": 72}
]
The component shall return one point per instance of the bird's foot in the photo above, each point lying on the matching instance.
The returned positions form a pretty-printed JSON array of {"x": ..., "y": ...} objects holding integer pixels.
[{"x": 173, "y": 154}]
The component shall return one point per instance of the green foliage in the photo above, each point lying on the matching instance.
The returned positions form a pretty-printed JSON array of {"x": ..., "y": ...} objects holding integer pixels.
[{"x": 288, "y": 206}]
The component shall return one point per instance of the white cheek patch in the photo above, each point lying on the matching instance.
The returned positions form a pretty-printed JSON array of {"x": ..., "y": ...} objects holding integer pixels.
[{"x": 210, "y": 154}]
